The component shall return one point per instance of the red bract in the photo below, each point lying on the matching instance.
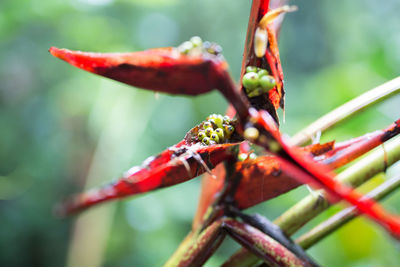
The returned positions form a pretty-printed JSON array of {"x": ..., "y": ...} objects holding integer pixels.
[
  {"x": 238, "y": 184},
  {"x": 176, "y": 164},
  {"x": 164, "y": 69}
]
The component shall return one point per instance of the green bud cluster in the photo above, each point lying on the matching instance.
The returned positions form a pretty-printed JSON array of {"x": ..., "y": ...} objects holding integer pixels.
[
  {"x": 257, "y": 81},
  {"x": 216, "y": 130},
  {"x": 195, "y": 47}
]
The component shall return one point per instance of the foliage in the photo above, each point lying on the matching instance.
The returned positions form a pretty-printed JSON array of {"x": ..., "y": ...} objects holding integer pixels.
[{"x": 38, "y": 102}]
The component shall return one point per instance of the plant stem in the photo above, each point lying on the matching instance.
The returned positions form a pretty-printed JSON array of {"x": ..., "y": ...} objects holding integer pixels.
[
  {"x": 345, "y": 111},
  {"x": 341, "y": 218},
  {"x": 292, "y": 220},
  {"x": 364, "y": 169}
]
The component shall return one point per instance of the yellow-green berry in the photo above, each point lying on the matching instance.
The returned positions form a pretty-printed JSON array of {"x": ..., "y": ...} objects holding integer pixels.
[
  {"x": 185, "y": 47},
  {"x": 207, "y": 124},
  {"x": 267, "y": 83},
  {"x": 250, "y": 80},
  {"x": 251, "y": 133},
  {"x": 220, "y": 134},
  {"x": 256, "y": 92},
  {"x": 227, "y": 120},
  {"x": 201, "y": 135},
  {"x": 212, "y": 116},
  {"x": 214, "y": 137},
  {"x": 252, "y": 156},
  {"x": 209, "y": 131},
  {"x": 251, "y": 69},
  {"x": 262, "y": 72},
  {"x": 196, "y": 41},
  {"x": 206, "y": 140},
  {"x": 228, "y": 129},
  {"x": 242, "y": 156},
  {"x": 219, "y": 120}
]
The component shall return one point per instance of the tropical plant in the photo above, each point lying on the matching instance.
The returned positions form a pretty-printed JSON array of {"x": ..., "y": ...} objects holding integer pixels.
[{"x": 245, "y": 157}]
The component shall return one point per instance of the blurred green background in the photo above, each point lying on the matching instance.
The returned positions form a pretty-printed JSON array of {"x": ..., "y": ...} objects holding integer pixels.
[{"x": 63, "y": 129}]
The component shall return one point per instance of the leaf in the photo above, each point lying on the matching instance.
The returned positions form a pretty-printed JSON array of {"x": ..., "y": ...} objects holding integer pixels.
[
  {"x": 163, "y": 69},
  {"x": 306, "y": 170},
  {"x": 182, "y": 162},
  {"x": 262, "y": 179},
  {"x": 345, "y": 152}
]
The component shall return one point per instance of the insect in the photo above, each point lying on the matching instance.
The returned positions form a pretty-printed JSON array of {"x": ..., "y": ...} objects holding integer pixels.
[{"x": 246, "y": 178}]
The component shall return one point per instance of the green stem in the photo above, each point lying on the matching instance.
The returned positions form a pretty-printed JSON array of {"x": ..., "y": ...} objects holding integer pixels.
[
  {"x": 341, "y": 218},
  {"x": 292, "y": 220},
  {"x": 345, "y": 111},
  {"x": 374, "y": 163}
]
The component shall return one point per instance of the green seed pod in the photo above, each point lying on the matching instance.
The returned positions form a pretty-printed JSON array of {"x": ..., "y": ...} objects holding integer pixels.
[
  {"x": 262, "y": 72},
  {"x": 209, "y": 131},
  {"x": 201, "y": 135},
  {"x": 250, "y": 80},
  {"x": 207, "y": 124},
  {"x": 196, "y": 41},
  {"x": 220, "y": 134},
  {"x": 267, "y": 82},
  {"x": 219, "y": 120},
  {"x": 185, "y": 47},
  {"x": 214, "y": 137},
  {"x": 206, "y": 141},
  {"x": 251, "y": 69}
]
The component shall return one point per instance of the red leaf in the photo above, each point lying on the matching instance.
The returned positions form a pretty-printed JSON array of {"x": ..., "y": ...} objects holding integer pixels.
[
  {"x": 164, "y": 69},
  {"x": 262, "y": 179},
  {"x": 175, "y": 165},
  {"x": 344, "y": 152},
  {"x": 306, "y": 170},
  {"x": 275, "y": 97}
]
